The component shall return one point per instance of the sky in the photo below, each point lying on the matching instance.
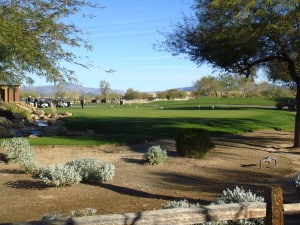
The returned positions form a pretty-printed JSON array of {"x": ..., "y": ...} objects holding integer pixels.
[{"x": 122, "y": 34}]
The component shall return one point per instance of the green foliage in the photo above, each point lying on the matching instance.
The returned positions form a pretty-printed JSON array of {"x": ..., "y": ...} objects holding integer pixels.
[
  {"x": 93, "y": 170},
  {"x": 60, "y": 175},
  {"x": 34, "y": 37},
  {"x": 171, "y": 94},
  {"x": 219, "y": 34},
  {"x": 155, "y": 155},
  {"x": 131, "y": 94},
  {"x": 193, "y": 143}
]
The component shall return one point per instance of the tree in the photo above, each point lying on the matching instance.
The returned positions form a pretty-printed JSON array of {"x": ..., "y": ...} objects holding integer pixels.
[
  {"x": 36, "y": 39},
  {"x": 241, "y": 36},
  {"x": 131, "y": 94},
  {"x": 105, "y": 88},
  {"x": 208, "y": 86}
]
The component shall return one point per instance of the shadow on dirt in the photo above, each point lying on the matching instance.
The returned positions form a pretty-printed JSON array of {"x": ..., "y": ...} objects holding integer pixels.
[
  {"x": 28, "y": 184},
  {"x": 144, "y": 194}
]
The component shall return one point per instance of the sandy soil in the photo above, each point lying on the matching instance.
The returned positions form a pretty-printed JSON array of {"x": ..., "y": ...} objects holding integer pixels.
[{"x": 138, "y": 187}]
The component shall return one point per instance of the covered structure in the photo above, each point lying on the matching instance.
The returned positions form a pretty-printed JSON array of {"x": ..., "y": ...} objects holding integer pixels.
[{"x": 9, "y": 92}]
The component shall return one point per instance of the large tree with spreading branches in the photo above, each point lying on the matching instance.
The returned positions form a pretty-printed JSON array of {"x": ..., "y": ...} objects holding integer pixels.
[
  {"x": 36, "y": 39},
  {"x": 241, "y": 36}
]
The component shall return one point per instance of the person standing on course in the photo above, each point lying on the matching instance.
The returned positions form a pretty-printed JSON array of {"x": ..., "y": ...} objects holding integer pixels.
[{"x": 82, "y": 103}]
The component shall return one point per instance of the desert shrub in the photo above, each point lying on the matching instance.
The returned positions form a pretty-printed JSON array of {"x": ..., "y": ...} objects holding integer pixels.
[
  {"x": 60, "y": 175},
  {"x": 238, "y": 195},
  {"x": 93, "y": 170},
  {"x": 179, "y": 204},
  {"x": 297, "y": 181},
  {"x": 51, "y": 216},
  {"x": 193, "y": 143},
  {"x": 29, "y": 167},
  {"x": 155, "y": 155},
  {"x": 87, "y": 212},
  {"x": 18, "y": 150},
  {"x": 54, "y": 216}
]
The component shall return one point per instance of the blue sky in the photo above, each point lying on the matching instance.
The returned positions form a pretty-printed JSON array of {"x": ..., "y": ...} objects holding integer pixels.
[{"x": 122, "y": 35}]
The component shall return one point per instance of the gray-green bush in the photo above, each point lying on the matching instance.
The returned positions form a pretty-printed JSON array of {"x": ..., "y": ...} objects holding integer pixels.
[
  {"x": 93, "y": 170},
  {"x": 155, "y": 155},
  {"x": 54, "y": 216},
  {"x": 60, "y": 175},
  {"x": 237, "y": 195},
  {"x": 296, "y": 181},
  {"x": 20, "y": 151}
]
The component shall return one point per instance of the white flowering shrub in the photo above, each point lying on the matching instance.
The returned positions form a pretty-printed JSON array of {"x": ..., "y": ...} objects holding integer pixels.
[
  {"x": 155, "y": 155},
  {"x": 18, "y": 150},
  {"x": 29, "y": 167},
  {"x": 107, "y": 172},
  {"x": 238, "y": 195},
  {"x": 60, "y": 175},
  {"x": 93, "y": 170}
]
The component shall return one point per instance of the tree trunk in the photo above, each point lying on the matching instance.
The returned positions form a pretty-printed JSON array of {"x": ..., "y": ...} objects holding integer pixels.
[{"x": 297, "y": 119}]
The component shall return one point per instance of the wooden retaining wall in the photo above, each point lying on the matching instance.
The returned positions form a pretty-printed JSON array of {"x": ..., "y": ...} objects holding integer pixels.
[{"x": 273, "y": 211}]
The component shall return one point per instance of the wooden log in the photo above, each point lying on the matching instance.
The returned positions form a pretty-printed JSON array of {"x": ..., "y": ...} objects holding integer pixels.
[
  {"x": 191, "y": 215},
  {"x": 289, "y": 209},
  {"x": 181, "y": 216}
]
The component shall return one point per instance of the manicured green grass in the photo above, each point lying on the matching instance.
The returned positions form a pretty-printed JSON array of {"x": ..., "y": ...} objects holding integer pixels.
[{"x": 132, "y": 123}]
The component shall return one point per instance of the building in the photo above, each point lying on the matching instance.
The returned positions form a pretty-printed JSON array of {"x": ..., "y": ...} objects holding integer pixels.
[{"x": 9, "y": 93}]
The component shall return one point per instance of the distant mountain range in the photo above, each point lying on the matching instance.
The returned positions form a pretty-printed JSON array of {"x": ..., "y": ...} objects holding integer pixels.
[{"x": 48, "y": 90}]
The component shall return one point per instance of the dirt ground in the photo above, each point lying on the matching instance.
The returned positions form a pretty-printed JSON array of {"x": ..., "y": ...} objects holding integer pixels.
[{"x": 137, "y": 187}]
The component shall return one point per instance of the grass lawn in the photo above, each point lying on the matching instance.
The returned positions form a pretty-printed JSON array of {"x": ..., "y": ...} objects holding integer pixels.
[{"x": 133, "y": 123}]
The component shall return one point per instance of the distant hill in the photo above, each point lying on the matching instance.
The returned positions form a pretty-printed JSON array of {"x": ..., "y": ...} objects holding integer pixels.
[
  {"x": 186, "y": 89},
  {"x": 48, "y": 90}
]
